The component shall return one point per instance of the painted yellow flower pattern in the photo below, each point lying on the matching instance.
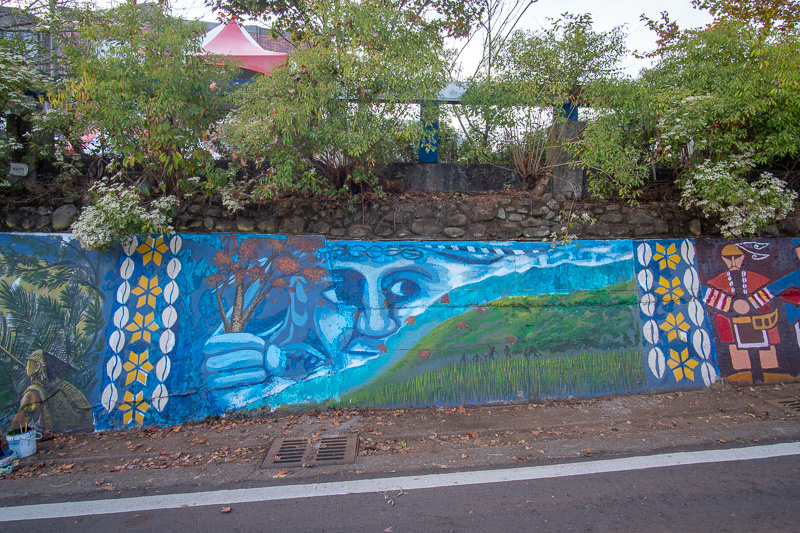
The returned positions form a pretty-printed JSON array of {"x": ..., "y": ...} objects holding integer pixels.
[
  {"x": 147, "y": 290},
  {"x": 675, "y": 326},
  {"x": 152, "y": 250},
  {"x": 667, "y": 257},
  {"x": 142, "y": 327},
  {"x": 137, "y": 366},
  {"x": 133, "y": 407},
  {"x": 671, "y": 291},
  {"x": 682, "y": 365}
]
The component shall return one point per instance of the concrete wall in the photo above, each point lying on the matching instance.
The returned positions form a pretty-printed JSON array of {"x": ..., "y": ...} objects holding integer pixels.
[
  {"x": 443, "y": 177},
  {"x": 172, "y": 328}
]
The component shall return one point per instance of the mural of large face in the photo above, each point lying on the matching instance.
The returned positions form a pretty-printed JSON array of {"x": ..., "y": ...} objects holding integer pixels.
[
  {"x": 371, "y": 297},
  {"x": 378, "y": 288},
  {"x": 373, "y": 303},
  {"x": 373, "y": 290},
  {"x": 368, "y": 302}
]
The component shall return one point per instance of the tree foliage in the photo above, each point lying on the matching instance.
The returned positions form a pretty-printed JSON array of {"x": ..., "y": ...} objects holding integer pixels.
[
  {"x": 616, "y": 146},
  {"x": 138, "y": 80},
  {"x": 535, "y": 74},
  {"x": 25, "y": 61},
  {"x": 494, "y": 26},
  {"x": 18, "y": 77},
  {"x": 720, "y": 105},
  {"x": 332, "y": 116},
  {"x": 303, "y": 20},
  {"x": 730, "y": 88},
  {"x": 721, "y": 99}
]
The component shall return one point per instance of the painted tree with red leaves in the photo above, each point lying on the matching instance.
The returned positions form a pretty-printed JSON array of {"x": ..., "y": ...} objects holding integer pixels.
[{"x": 256, "y": 268}]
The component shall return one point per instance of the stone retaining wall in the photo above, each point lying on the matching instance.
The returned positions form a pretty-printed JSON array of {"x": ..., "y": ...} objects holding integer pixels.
[{"x": 451, "y": 216}]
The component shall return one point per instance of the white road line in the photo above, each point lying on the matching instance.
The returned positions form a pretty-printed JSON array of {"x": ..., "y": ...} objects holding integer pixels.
[{"x": 289, "y": 492}]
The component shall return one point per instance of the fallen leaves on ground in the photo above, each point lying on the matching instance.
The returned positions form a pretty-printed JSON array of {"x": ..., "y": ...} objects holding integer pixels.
[
  {"x": 370, "y": 446},
  {"x": 166, "y": 459},
  {"x": 40, "y": 469}
]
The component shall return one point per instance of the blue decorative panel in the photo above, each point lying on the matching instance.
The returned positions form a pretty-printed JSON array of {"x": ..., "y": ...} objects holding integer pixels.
[{"x": 677, "y": 340}]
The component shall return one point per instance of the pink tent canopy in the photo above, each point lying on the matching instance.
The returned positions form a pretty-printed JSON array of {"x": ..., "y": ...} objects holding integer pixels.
[{"x": 232, "y": 40}]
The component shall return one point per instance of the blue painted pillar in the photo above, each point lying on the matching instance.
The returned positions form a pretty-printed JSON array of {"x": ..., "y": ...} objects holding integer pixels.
[
  {"x": 429, "y": 115},
  {"x": 570, "y": 111}
]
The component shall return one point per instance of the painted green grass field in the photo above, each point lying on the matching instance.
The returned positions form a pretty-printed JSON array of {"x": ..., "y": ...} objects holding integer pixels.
[
  {"x": 585, "y": 343},
  {"x": 580, "y": 375}
]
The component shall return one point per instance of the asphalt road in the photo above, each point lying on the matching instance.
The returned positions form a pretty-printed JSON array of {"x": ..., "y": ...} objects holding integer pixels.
[{"x": 747, "y": 495}]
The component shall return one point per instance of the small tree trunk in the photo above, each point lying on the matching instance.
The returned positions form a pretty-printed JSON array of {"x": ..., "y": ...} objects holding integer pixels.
[
  {"x": 541, "y": 185},
  {"x": 237, "y": 313}
]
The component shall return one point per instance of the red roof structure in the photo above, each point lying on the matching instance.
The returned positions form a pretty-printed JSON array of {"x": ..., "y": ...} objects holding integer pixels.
[{"x": 232, "y": 40}]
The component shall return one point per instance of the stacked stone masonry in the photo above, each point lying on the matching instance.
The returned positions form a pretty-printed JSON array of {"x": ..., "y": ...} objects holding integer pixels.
[{"x": 452, "y": 216}]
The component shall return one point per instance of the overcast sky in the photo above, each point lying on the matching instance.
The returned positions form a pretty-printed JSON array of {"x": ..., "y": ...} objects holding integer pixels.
[{"x": 605, "y": 13}]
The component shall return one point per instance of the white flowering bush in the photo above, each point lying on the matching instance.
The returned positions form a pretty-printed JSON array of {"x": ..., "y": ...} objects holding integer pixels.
[
  {"x": 232, "y": 198},
  {"x": 564, "y": 236},
  {"x": 17, "y": 77},
  {"x": 117, "y": 213},
  {"x": 685, "y": 123},
  {"x": 719, "y": 189}
]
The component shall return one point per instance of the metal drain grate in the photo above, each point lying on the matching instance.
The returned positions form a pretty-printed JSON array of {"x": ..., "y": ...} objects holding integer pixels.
[
  {"x": 788, "y": 404},
  {"x": 336, "y": 450},
  {"x": 301, "y": 452},
  {"x": 286, "y": 452}
]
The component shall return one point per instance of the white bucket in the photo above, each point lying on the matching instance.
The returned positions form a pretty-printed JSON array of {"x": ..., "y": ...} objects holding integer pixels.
[
  {"x": 24, "y": 444},
  {"x": 7, "y": 461}
]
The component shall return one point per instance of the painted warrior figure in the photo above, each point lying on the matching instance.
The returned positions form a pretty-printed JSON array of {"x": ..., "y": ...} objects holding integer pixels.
[
  {"x": 745, "y": 321},
  {"x": 50, "y": 402}
]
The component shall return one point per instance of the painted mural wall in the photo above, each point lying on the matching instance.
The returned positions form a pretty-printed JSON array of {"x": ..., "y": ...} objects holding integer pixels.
[{"x": 173, "y": 328}]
